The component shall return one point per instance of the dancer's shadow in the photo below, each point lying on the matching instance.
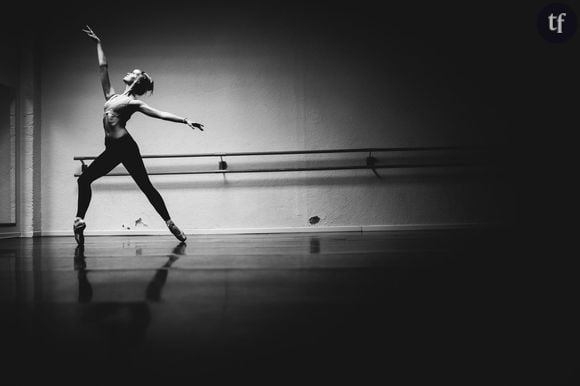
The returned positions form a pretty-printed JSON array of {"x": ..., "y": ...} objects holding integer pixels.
[
  {"x": 154, "y": 288},
  {"x": 153, "y": 291},
  {"x": 119, "y": 327}
]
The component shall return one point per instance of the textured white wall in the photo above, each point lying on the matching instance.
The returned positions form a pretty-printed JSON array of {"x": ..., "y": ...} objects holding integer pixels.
[
  {"x": 9, "y": 78},
  {"x": 7, "y": 153},
  {"x": 262, "y": 80}
]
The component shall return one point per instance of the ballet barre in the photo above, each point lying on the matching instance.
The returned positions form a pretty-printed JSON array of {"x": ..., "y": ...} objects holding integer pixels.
[{"x": 370, "y": 162}]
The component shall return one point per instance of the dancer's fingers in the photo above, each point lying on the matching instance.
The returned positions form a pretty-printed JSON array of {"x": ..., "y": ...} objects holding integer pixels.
[
  {"x": 90, "y": 34},
  {"x": 194, "y": 125}
]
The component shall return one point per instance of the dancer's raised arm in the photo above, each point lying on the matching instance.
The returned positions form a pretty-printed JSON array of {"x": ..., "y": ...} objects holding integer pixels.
[
  {"x": 152, "y": 112},
  {"x": 103, "y": 65}
]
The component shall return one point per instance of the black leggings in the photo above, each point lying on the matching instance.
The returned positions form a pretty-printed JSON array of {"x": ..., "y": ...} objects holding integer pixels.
[{"x": 121, "y": 150}]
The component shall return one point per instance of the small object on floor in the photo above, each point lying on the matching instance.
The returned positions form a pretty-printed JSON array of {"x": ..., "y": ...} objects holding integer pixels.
[
  {"x": 176, "y": 231},
  {"x": 79, "y": 226}
]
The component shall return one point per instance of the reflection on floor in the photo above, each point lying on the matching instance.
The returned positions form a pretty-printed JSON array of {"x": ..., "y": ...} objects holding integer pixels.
[{"x": 363, "y": 308}]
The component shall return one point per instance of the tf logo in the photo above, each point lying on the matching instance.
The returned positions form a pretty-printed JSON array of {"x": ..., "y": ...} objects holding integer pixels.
[{"x": 557, "y": 22}]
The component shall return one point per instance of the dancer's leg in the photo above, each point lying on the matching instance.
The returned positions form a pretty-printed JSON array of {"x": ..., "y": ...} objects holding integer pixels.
[
  {"x": 102, "y": 165},
  {"x": 134, "y": 164},
  {"x": 98, "y": 168}
]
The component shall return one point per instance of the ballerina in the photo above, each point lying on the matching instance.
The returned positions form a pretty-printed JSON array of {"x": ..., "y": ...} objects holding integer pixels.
[{"x": 120, "y": 146}]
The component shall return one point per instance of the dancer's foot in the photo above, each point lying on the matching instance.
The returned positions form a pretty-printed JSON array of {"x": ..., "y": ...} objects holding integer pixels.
[
  {"x": 176, "y": 231},
  {"x": 78, "y": 229}
]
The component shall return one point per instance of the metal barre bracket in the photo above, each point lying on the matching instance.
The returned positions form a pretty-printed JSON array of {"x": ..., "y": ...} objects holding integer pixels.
[
  {"x": 223, "y": 165},
  {"x": 371, "y": 162}
]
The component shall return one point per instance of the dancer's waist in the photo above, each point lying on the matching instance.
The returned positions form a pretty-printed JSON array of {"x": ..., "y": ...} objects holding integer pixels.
[{"x": 115, "y": 140}]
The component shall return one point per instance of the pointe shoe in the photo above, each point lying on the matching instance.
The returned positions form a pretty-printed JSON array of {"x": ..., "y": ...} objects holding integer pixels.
[
  {"x": 176, "y": 231},
  {"x": 79, "y": 226}
]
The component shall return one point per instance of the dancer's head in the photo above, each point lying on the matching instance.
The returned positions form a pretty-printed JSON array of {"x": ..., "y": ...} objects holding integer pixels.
[{"x": 139, "y": 81}]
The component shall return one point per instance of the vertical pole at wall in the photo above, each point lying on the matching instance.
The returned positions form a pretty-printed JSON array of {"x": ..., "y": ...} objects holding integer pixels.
[{"x": 29, "y": 127}]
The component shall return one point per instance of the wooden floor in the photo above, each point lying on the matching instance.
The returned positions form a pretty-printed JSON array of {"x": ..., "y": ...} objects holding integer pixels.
[{"x": 363, "y": 308}]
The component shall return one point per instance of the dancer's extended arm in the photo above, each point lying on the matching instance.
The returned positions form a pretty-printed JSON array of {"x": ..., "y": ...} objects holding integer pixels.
[
  {"x": 108, "y": 91},
  {"x": 150, "y": 111}
]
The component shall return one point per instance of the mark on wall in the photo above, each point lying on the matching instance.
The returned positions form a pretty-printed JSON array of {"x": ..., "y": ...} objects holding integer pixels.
[
  {"x": 139, "y": 221},
  {"x": 314, "y": 220}
]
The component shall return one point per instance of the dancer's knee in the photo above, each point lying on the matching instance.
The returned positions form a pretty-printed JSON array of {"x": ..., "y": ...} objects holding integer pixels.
[
  {"x": 84, "y": 180},
  {"x": 146, "y": 186},
  {"x": 150, "y": 190}
]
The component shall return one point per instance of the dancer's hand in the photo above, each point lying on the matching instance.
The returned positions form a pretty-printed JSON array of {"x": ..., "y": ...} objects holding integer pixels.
[
  {"x": 193, "y": 125},
  {"x": 91, "y": 34}
]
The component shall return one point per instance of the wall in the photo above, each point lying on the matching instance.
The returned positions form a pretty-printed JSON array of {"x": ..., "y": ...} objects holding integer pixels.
[
  {"x": 7, "y": 155},
  {"x": 19, "y": 70},
  {"x": 270, "y": 76},
  {"x": 9, "y": 78}
]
